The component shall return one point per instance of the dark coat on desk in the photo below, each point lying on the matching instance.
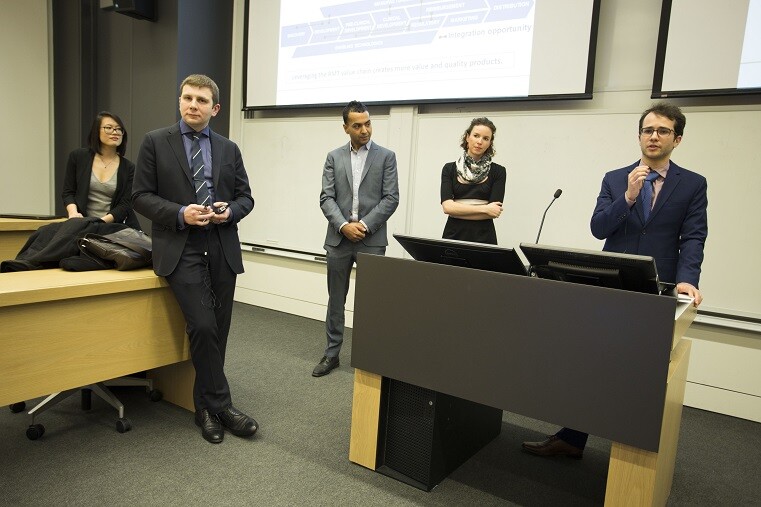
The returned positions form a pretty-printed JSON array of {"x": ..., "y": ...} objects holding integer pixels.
[
  {"x": 53, "y": 244},
  {"x": 76, "y": 186}
]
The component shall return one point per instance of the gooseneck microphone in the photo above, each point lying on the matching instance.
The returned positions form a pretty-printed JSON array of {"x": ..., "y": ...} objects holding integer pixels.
[{"x": 557, "y": 194}]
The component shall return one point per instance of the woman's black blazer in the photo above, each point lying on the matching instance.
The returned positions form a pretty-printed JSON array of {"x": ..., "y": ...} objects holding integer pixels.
[{"x": 76, "y": 186}]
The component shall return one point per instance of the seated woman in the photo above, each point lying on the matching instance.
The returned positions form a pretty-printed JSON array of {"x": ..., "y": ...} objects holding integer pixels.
[
  {"x": 473, "y": 187},
  {"x": 98, "y": 179}
]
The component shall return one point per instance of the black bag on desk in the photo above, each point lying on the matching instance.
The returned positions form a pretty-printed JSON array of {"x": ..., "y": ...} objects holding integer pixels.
[{"x": 124, "y": 250}]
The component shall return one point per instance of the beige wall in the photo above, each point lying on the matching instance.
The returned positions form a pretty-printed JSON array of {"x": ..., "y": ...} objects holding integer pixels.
[{"x": 26, "y": 137}]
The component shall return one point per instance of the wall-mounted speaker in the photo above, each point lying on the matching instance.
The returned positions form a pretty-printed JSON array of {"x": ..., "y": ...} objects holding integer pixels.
[{"x": 138, "y": 9}]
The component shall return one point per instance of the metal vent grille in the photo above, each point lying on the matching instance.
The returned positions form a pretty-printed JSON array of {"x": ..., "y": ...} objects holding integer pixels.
[{"x": 409, "y": 430}]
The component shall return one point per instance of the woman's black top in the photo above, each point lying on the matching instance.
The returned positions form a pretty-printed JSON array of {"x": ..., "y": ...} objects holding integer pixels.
[{"x": 492, "y": 190}]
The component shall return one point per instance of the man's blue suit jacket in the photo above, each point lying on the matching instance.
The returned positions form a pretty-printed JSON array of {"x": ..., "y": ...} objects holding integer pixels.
[{"x": 675, "y": 232}]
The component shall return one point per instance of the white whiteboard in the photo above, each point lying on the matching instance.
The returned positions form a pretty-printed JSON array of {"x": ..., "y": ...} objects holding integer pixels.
[
  {"x": 541, "y": 154},
  {"x": 570, "y": 150},
  {"x": 284, "y": 158},
  {"x": 724, "y": 147}
]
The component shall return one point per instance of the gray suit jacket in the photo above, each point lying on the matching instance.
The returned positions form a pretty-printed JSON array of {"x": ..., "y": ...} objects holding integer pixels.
[
  {"x": 378, "y": 193},
  {"x": 163, "y": 184}
]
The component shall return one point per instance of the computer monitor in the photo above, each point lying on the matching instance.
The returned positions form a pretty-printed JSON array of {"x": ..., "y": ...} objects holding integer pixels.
[
  {"x": 463, "y": 253},
  {"x": 636, "y": 273}
]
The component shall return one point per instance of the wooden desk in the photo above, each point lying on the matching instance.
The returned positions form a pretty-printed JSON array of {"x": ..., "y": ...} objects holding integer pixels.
[
  {"x": 62, "y": 330},
  {"x": 15, "y": 231},
  {"x": 626, "y": 385}
]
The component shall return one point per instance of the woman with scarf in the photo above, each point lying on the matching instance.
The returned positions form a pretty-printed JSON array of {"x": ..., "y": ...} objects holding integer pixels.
[{"x": 473, "y": 187}]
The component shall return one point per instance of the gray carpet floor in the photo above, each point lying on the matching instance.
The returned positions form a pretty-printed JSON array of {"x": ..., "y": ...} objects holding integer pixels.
[{"x": 300, "y": 455}]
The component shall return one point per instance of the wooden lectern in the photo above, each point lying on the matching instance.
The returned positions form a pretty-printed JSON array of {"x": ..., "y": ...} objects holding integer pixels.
[{"x": 608, "y": 362}]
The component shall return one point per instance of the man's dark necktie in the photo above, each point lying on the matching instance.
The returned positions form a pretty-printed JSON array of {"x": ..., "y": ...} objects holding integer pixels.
[
  {"x": 647, "y": 193},
  {"x": 196, "y": 167}
]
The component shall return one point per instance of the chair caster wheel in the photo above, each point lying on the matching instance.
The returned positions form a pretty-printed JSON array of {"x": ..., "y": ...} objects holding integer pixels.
[
  {"x": 17, "y": 407},
  {"x": 156, "y": 395},
  {"x": 123, "y": 425},
  {"x": 35, "y": 431}
]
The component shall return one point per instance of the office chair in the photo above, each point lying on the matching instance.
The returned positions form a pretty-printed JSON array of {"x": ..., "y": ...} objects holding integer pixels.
[{"x": 36, "y": 430}]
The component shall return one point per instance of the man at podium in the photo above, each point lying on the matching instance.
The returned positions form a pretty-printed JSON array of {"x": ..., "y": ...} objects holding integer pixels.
[{"x": 652, "y": 207}]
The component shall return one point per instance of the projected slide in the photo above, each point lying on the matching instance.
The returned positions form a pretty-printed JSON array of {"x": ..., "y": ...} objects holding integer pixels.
[
  {"x": 327, "y": 52},
  {"x": 709, "y": 48},
  {"x": 401, "y": 50},
  {"x": 750, "y": 62}
]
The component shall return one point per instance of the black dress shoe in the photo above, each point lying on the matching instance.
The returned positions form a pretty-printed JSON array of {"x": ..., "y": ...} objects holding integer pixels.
[
  {"x": 211, "y": 429},
  {"x": 237, "y": 423},
  {"x": 325, "y": 365},
  {"x": 553, "y": 446}
]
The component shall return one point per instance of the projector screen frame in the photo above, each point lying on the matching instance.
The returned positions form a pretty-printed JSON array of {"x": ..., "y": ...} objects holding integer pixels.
[
  {"x": 587, "y": 94},
  {"x": 660, "y": 62}
]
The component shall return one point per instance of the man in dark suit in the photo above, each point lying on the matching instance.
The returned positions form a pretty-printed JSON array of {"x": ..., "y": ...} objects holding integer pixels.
[
  {"x": 196, "y": 246},
  {"x": 652, "y": 207},
  {"x": 360, "y": 191}
]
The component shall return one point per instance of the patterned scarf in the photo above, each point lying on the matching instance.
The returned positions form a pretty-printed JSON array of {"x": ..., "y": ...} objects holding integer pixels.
[{"x": 471, "y": 171}]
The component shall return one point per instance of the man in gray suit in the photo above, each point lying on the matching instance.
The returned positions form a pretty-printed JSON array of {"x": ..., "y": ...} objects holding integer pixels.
[{"x": 360, "y": 191}]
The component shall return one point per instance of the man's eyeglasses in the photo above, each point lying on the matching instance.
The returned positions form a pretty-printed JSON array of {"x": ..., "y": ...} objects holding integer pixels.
[
  {"x": 108, "y": 129},
  {"x": 662, "y": 131}
]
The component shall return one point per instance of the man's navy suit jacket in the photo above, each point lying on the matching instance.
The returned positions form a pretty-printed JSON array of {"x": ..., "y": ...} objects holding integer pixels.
[
  {"x": 163, "y": 184},
  {"x": 674, "y": 233}
]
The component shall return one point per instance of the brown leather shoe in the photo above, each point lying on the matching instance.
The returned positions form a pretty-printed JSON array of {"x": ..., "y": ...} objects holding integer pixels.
[{"x": 553, "y": 446}]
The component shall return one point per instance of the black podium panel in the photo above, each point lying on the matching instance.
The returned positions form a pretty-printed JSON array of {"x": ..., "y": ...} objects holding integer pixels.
[
  {"x": 425, "y": 435},
  {"x": 569, "y": 354}
]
